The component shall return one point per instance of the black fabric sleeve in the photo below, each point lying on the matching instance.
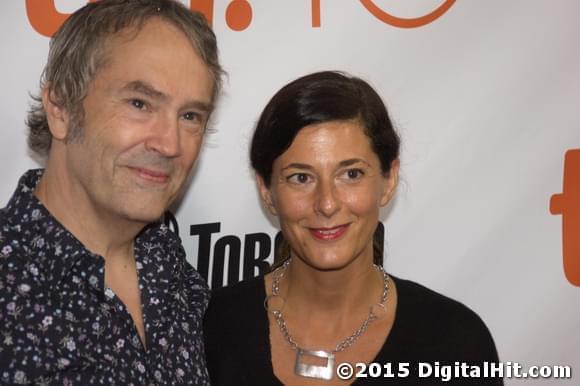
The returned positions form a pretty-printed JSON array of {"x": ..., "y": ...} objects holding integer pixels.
[{"x": 237, "y": 336}]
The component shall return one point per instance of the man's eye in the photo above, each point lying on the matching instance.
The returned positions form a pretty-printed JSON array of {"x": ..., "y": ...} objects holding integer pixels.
[
  {"x": 299, "y": 178},
  {"x": 138, "y": 104},
  {"x": 192, "y": 116}
]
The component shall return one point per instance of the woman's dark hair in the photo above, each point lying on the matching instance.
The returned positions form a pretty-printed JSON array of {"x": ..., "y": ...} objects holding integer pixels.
[{"x": 316, "y": 98}]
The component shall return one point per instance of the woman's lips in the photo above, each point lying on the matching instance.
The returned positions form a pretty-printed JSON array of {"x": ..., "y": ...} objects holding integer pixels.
[{"x": 329, "y": 234}]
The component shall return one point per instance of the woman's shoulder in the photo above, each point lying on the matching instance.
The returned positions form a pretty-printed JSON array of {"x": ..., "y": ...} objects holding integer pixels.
[
  {"x": 432, "y": 319},
  {"x": 418, "y": 299}
]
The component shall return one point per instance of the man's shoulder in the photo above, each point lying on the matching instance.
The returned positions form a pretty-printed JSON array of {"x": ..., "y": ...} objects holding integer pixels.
[
  {"x": 32, "y": 246},
  {"x": 14, "y": 246},
  {"x": 19, "y": 218},
  {"x": 22, "y": 272},
  {"x": 10, "y": 235}
]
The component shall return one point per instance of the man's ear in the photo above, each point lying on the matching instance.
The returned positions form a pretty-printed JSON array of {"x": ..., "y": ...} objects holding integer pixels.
[
  {"x": 57, "y": 116},
  {"x": 266, "y": 195},
  {"x": 390, "y": 182}
]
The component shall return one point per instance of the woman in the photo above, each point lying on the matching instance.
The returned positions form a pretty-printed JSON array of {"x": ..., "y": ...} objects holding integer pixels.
[{"x": 326, "y": 160}]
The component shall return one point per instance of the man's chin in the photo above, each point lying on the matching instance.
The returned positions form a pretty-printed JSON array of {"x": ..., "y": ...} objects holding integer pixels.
[{"x": 144, "y": 216}]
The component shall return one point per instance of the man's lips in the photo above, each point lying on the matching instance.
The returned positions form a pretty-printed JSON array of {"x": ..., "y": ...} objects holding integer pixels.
[
  {"x": 150, "y": 175},
  {"x": 329, "y": 234}
]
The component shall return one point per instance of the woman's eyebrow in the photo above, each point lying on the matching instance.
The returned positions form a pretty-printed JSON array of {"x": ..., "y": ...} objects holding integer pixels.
[
  {"x": 297, "y": 165},
  {"x": 352, "y": 161}
]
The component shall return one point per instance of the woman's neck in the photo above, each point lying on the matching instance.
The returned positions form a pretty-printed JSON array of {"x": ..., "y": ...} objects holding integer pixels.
[
  {"x": 346, "y": 291},
  {"x": 322, "y": 308}
]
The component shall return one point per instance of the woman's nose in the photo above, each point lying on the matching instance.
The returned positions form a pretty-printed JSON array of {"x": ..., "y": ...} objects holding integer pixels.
[{"x": 327, "y": 200}]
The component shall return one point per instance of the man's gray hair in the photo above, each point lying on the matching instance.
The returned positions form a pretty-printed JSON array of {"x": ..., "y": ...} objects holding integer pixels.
[{"x": 76, "y": 53}]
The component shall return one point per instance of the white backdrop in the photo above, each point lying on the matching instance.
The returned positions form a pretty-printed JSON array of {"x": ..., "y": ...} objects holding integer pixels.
[{"x": 486, "y": 99}]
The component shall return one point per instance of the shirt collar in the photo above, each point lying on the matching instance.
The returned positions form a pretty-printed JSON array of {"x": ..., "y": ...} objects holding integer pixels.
[
  {"x": 44, "y": 240},
  {"x": 47, "y": 242}
]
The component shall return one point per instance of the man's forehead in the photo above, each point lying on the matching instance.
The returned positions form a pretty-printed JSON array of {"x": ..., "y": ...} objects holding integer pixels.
[
  {"x": 142, "y": 29},
  {"x": 135, "y": 39}
]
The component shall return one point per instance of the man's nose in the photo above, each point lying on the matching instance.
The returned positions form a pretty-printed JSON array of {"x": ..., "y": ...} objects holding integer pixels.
[
  {"x": 164, "y": 137},
  {"x": 327, "y": 201}
]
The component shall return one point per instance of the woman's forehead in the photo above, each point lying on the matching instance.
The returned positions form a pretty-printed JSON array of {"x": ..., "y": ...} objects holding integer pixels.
[{"x": 330, "y": 141}]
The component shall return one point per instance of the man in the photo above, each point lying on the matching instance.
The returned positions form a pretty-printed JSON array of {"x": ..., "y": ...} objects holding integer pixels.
[{"x": 93, "y": 289}]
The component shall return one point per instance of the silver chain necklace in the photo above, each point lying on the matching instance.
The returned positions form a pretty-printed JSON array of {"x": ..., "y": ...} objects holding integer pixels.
[{"x": 314, "y": 371}]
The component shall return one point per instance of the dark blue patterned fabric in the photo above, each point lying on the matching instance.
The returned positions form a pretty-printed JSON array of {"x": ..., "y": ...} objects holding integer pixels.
[{"x": 60, "y": 324}]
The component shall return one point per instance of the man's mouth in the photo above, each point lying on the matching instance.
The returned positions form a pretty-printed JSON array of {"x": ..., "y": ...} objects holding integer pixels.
[{"x": 151, "y": 175}]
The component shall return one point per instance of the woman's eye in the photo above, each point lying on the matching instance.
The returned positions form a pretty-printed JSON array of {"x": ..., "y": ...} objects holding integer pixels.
[
  {"x": 299, "y": 178},
  {"x": 353, "y": 174}
]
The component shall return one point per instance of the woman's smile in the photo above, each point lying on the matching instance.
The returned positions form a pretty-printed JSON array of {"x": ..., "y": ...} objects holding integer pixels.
[{"x": 329, "y": 234}]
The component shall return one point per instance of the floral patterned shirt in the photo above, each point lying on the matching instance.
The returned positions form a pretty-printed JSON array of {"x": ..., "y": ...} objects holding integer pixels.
[{"x": 60, "y": 324}]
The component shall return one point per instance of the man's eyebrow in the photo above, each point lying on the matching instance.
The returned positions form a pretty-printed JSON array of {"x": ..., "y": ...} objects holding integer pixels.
[
  {"x": 145, "y": 88},
  {"x": 198, "y": 105}
]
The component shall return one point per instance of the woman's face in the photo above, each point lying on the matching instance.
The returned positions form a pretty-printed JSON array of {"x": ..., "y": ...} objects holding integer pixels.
[{"x": 327, "y": 189}]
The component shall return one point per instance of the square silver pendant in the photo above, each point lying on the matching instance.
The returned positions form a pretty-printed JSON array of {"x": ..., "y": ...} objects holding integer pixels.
[{"x": 314, "y": 371}]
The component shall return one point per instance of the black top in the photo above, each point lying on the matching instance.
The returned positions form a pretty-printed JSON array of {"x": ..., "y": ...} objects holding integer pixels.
[
  {"x": 428, "y": 328},
  {"x": 60, "y": 324}
]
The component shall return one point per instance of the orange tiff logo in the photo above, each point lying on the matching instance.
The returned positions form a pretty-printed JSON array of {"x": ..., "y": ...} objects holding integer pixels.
[
  {"x": 567, "y": 204},
  {"x": 46, "y": 19}
]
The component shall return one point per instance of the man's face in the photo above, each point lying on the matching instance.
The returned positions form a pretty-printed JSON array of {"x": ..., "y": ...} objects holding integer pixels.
[{"x": 144, "y": 119}]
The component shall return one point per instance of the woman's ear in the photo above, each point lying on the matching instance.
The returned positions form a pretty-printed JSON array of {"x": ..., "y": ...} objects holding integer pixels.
[
  {"x": 266, "y": 195},
  {"x": 390, "y": 182},
  {"x": 56, "y": 115}
]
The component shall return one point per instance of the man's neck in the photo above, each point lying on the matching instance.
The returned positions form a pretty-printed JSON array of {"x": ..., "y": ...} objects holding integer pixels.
[{"x": 99, "y": 231}]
